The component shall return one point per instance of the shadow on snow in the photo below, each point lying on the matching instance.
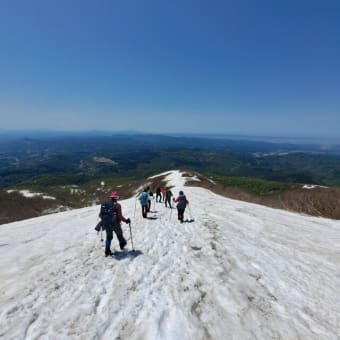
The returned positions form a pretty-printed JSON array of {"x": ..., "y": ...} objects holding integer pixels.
[{"x": 126, "y": 254}]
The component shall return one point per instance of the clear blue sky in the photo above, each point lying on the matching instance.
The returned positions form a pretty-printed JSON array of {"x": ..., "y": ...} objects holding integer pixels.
[{"x": 242, "y": 66}]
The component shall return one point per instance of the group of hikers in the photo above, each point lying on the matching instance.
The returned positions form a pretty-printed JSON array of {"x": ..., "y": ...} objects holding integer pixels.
[
  {"x": 111, "y": 212},
  {"x": 147, "y": 195},
  {"x": 162, "y": 195}
]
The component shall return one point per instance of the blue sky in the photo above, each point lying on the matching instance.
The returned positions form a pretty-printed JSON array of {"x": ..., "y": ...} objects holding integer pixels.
[{"x": 246, "y": 67}]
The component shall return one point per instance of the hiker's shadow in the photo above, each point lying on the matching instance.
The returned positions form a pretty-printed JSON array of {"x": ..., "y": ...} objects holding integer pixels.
[
  {"x": 189, "y": 221},
  {"x": 126, "y": 254}
]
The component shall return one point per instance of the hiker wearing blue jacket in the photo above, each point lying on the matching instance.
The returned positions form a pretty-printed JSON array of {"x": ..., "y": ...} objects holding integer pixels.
[{"x": 144, "y": 198}]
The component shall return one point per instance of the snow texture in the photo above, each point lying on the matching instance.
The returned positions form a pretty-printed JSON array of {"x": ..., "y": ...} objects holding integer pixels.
[{"x": 238, "y": 271}]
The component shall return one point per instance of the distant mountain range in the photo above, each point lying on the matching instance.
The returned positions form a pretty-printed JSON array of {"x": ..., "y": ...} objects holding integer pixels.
[{"x": 233, "y": 143}]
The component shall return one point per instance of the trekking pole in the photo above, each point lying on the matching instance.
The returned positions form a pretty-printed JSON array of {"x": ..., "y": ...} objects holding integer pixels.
[
  {"x": 190, "y": 213},
  {"x": 131, "y": 237},
  {"x": 101, "y": 230},
  {"x": 134, "y": 213}
]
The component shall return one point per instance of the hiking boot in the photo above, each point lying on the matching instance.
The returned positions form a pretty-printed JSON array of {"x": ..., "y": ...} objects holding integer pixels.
[
  {"x": 108, "y": 253},
  {"x": 122, "y": 244}
]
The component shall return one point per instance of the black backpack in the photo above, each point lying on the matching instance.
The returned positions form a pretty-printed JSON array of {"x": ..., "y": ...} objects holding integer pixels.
[
  {"x": 182, "y": 202},
  {"x": 108, "y": 212}
]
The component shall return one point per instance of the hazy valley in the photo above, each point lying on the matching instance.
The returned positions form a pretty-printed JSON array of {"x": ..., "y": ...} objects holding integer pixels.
[{"x": 74, "y": 171}]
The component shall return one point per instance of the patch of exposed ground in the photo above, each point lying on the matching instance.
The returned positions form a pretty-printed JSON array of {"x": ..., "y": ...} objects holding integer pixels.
[{"x": 16, "y": 207}]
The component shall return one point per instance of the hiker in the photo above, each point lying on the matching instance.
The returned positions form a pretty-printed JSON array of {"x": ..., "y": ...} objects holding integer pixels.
[
  {"x": 111, "y": 216},
  {"x": 181, "y": 205},
  {"x": 163, "y": 193},
  {"x": 158, "y": 194},
  {"x": 144, "y": 197},
  {"x": 168, "y": 195}
]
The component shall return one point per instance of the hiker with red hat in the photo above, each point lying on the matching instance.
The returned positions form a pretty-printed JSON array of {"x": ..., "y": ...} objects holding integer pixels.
[{"x": 111, "y": 215}]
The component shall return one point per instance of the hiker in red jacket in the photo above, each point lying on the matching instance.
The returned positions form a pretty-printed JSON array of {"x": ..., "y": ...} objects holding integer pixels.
[{"x": 181, "y": 205}]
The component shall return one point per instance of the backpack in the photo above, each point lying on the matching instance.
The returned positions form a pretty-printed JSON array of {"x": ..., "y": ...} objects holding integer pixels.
[
  {"x": 144, "y": 198},
  {"x": 182, "y": 203},
  {"x": 108, "y": 213}
]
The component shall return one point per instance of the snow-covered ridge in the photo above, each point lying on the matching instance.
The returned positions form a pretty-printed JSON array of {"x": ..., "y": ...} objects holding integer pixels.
[
  {"x": 239, "y": 271},
  {"x": 175, "y": 178}
]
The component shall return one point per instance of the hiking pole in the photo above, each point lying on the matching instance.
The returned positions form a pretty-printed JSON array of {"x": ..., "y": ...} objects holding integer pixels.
[
  {"x": 190, "y": 213},
  {"x": 131, "y": 237},
  {"x": 134, "y": 213},
  {"x": 101, "y": 229}
]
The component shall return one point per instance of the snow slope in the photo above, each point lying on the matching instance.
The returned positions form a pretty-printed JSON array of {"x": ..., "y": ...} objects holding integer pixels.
[{"x": 239, "y": 271}]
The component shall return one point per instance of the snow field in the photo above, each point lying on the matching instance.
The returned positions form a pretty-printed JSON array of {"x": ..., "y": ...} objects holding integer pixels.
[{"x": 238, "y": 271}]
